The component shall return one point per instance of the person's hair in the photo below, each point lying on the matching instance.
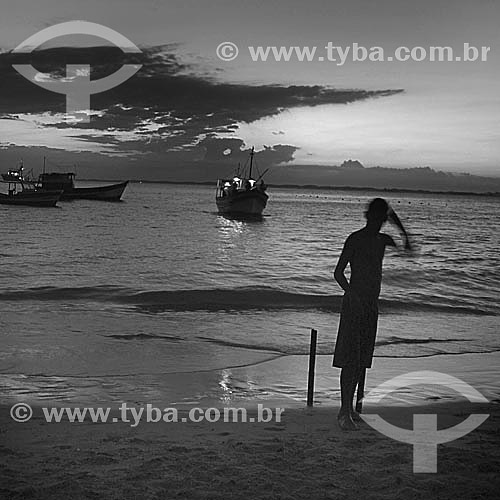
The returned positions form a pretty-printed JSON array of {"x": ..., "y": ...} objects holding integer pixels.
[
  {"x": 377, "y": 208},
  {"x": 378, "y": 205}
]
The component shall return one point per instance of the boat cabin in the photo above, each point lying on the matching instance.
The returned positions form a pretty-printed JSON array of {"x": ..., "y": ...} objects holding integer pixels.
[
  {"x": 226, "y": 187},
  {"x": 56, "y": 181}
]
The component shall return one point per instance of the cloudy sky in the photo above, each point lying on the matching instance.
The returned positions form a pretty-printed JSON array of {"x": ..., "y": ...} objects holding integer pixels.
[{"x": 186, "y": 111}]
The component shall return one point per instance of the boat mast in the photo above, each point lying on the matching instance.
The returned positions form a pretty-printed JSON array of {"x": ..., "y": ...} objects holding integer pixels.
[{"x": 251, "y": 162}]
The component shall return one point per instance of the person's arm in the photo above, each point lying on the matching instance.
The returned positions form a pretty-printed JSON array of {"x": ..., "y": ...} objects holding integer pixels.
[
  {"x": 341, "y": 266},
  {"x": 393, "y": 217}
]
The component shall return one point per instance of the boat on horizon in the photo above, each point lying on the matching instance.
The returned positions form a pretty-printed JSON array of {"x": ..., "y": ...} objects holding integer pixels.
[
  {"x": 24, "y": 191},
  {"x": 65, "y": 182},
  {"x": 242, "y": 194}
]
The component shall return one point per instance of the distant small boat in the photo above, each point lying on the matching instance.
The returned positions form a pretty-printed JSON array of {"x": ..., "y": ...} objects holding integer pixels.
[
  {"x": 65, "y": 182},
  {"x": 242, "y": 195},
  {"x": 22, "y": 191}
]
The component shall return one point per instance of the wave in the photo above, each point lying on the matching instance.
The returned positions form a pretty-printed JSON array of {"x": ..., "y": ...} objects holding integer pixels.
[
  {"x": 289, "y": 350},
  {"x": 253, "y": 347},
  {"x": 409, "y": 340},
  {"x": 145, "y": 336},
  {"x": 383, "y": 347},
  {"x": 236, "y": 299},
  {"x": 405, "y": 347},
  {"x": 98, "y": 293}
]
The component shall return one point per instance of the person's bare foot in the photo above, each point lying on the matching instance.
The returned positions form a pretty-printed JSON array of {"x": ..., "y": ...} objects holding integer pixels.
[
  {"x": 356, "y": 417},
  {"x": 346, "y": 422}
]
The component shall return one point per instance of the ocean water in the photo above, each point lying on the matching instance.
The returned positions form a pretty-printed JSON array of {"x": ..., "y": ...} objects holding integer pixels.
[{"x": 160, "y": 298}]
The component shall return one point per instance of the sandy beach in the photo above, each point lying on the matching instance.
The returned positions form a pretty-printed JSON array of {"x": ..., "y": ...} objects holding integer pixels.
[
  {"x": 234, "y": 188},
  {"x": 304, "y": 456}
]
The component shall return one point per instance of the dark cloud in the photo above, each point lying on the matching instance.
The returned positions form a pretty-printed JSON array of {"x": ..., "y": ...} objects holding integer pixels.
[
  {"x": 174, "y": 112},
  {"x": 164, "y": 90},
  {"x": 205, "y": 165},
  {"x": 228, "y": 151}
]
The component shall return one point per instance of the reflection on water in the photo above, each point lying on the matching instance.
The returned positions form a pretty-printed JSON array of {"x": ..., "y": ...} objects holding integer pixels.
[
  {"x": 250, "y": 218},
  {"x": 226, "y": 386},
  {"x": 229, "y": 227},
  {"x": 239, "y": 236}
]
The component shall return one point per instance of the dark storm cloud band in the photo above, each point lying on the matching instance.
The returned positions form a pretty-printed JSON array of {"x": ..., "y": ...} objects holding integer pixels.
[{"x": 165, "y": 90}]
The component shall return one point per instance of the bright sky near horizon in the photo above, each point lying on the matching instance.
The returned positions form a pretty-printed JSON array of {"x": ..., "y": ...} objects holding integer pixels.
[{"x": 447, "y": 117}]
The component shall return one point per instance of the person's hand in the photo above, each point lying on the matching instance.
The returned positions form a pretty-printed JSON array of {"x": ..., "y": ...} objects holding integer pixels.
[{"x": 393, "y": 217}]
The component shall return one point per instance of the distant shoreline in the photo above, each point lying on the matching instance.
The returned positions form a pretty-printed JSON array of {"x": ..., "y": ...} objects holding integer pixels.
[{"x": 316, "y": 187}]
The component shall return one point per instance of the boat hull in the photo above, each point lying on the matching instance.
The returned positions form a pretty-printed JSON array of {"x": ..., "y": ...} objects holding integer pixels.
[
  {"x": 251, "y": 202},
  {"x": 104, "y": 193},
  {"x": 35, "y": 199}
]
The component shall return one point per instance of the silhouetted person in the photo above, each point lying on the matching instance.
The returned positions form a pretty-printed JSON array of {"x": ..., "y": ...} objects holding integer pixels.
[{"x": 364, "y": 252}]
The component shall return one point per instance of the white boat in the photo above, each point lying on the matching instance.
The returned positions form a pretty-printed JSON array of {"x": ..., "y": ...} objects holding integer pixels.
[{"x": 242, "y": 194}]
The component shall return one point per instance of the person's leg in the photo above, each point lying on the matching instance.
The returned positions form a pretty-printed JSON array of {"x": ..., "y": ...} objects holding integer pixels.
[
  {"x": 359, "y": 386},
  {"x": 348, "y": 381},
  {"x": 360, "y": 390}
]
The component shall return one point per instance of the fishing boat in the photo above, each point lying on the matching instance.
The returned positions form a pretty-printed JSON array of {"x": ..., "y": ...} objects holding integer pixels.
[
  {"x": 65, "y": 182},
  {"x": 23, "y": 191},
  {"x": 242, "y": 194}
]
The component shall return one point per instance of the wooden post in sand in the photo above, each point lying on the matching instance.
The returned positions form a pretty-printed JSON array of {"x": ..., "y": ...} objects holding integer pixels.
[{"x": 312, "y": 365}]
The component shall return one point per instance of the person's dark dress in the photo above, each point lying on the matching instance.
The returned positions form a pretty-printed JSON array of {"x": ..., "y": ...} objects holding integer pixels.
[{"x": 358, "y": 318}]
